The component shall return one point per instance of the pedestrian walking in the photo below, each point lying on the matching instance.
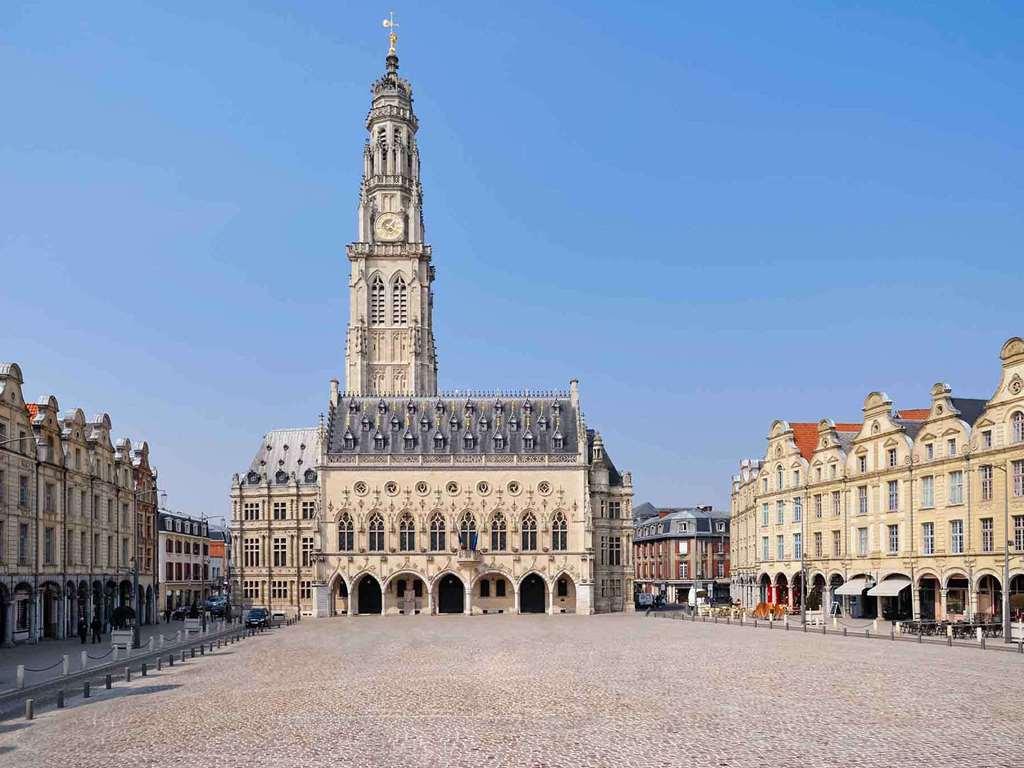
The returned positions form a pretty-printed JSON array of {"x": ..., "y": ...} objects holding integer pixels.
[
  {"x": 97, "y": 626},
  {"x": 83, "y": 629}
]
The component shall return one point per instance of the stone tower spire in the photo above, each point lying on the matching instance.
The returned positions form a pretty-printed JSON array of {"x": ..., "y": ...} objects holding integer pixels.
[{"x": 390, "y": 345}]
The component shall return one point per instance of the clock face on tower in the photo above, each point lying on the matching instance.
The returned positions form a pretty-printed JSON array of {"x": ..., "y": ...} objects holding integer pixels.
[{"x": 389, "y": 227}]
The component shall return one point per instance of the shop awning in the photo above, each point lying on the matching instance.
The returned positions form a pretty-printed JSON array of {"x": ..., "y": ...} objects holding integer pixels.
[
  {"x": 853, "y": 587},
  {"x": 890, "y": 587}
]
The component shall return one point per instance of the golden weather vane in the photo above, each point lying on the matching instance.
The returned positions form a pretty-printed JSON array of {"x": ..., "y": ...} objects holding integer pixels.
[{"x": 390, "y": 24}]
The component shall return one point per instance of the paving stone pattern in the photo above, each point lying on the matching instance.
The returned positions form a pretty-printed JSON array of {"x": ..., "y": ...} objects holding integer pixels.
[{"x": 546, "y": 691}]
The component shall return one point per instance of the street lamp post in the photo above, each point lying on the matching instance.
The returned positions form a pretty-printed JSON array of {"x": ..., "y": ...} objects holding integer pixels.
[{"x": 1006, "y": 551}]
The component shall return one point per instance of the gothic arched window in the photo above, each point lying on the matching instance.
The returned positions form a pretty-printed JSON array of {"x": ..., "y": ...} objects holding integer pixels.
[
  {"x": 529, "y": 532},
  {"x": 467, "y": 531},
  {"x": 399, "y": 302},
  {"x": 559, "y": 531},
  {"x": 345, "y": 533},
  {"x": 377, "y": 300},
  {"x": 437, "y": 532},
  {"x": 375, "y": 533},
  {"x": 499, "y": 533},
  {"x": 1017, "y": 420},
  {"x": 407, "y": 533}
]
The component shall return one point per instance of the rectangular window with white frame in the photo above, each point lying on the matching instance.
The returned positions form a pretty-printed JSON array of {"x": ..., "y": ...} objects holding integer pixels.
[
  {"x": 894, "y": 495},
  {"x": 956, "y": 488},
  {"x": 798, "y": 546},
  {"x": 987, "y": 535},
  {"x": 862, "y": 500},
  {"x": 956, "y": 536},
  {"x": 817, "y": 506},
  {"x": 928, "y": 538},
  {"x": 798, "y": 509},
  {"x": 894, "y": 539},
  {"x": 780, "y": 547},
  {"x": 837, "y": 504},
  {"x": 985, "y": 473},
  {"x": 780, "y": 511},
  {"x": 928, "y": 491},
  {"x": 862, "y": 541}
]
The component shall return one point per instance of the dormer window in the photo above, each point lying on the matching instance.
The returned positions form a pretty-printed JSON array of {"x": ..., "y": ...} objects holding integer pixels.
[
  {"x": 482, "y": 424},
  {"x": 453, "y": 423},
  {"x": 468, "y": 441},
  {"x": 424, "y": 423},
  {"x": 542, "y": 423},
  {"x": 513, "y": 424},
  {"x": 382, "y": 406},
  {"x": 378, "y": 441},
  {"x": 310, "y": 476},
  {"x": 499, "y": 442},
  {"x": 410, "y": 407},
  {"x": 410, "y": 440},
  {"x": 365, "y": 424},
  {"x": 353, "y": 406},
  {"x": 281, "y": 477},
  {"x": 395, "y": 424},
  {"x": 528, "y": 407},
  {"x": 528, "y": 441},
  {"x": 557, "y": 440},
  {"x": 253, "y": 478},
  {"x": 350, "y": 440},
  {"x": 438, "y": 441},
  {"x": 439, "y": 406}
]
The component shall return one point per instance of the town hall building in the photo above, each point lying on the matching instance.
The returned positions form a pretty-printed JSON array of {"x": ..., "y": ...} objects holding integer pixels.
[{"x": 407, "y": 500}]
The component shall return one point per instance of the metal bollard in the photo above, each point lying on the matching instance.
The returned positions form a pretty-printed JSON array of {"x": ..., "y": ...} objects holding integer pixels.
[
  {"x": 158, "y": 665},
  {"x": 144, "y": 669},
  {"x": 949, "y": 640},
  {"x": 920, "y": 637},
  {"x": 867, "y": 633},
  {"x": 19, "y": 676},
  {"x": 107, "y": 681},
  {"x": 805, "y": 627},
  {"x": 892, "y": 634},
  {"x": 824, "y": 629},
  {"x": 755, "y": 623},
  {"x": 127, "y": 674},
  {"x": 170, "y": 660},
  {"x": 1020, "y": 647},
  {"x": 60, "y": 699},
  {"x": 983, "y": 642},
  {"x": 85, "y": 659},
  {"x": 65, "y": 666},
  {"x": 30, "y": 708},
  {"x": 193, "y": 650},
  {"x": 844, "y": 631},
  {"x": 202, "y": 649}
]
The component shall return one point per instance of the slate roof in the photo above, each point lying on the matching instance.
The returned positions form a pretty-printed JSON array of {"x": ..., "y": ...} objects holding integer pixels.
[
  {"x": 285, "y": 455},
  {"x": 701, "y": 522},
  {"x": 970, "y": 408},
  {"x": 453, "y": 425}
]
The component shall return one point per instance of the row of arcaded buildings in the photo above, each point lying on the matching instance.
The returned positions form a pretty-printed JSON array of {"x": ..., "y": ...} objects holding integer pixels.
[
  {"x": 902, "y": 515},
  {"x": 77, "y": 515}
]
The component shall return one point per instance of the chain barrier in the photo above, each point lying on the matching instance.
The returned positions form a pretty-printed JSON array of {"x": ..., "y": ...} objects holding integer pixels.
[
  {"x": 44, "y": 669},
  {"x": 97, "y": 658}
]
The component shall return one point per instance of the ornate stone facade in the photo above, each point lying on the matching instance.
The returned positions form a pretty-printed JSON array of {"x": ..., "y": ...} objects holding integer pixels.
[
  {"x": 407, "y": 500},
  {"x": 76, "y": 517},
  {"x": 904, "y": 514}
]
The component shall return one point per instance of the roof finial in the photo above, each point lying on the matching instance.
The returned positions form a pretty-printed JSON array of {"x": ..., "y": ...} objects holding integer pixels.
[{"x": 391, "y": 24}]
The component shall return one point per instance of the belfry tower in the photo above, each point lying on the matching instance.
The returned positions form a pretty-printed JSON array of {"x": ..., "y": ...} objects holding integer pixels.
[{"x": 390, "y": 341}]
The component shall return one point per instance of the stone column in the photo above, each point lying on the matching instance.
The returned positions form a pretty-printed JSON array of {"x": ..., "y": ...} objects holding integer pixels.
[
  {"x": 9, "y": 625},
  {"x": 915, "y": 605},
  {"x": 62, "y": 617},
  {"x": 550, "y": 593},
  {"x": 972, "y": 601},
  {"x": 467, "y": 608},
  {"x": 515, "y": 597},
  {"x": 35, "y": 617},
  {"x": 942, "y": 603}
]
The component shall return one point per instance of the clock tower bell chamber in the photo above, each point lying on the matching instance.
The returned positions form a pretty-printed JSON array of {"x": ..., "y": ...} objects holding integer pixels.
[{"x": 390, "y": 346}]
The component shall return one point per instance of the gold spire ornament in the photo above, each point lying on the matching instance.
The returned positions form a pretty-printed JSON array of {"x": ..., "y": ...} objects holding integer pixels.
[{"x": 390, "y": 24}]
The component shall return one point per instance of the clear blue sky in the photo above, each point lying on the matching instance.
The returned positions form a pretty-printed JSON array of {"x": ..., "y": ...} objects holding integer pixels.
[{"x": 713, "y": 217}]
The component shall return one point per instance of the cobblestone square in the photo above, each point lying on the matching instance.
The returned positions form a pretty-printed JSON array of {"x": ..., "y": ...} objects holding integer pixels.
[{"x": 545, "y": 691}]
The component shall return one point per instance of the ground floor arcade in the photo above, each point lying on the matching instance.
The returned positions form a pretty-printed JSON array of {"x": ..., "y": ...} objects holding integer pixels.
[
  {"x": 896, "y": 596},
  {"x": 52, "y": 610},
  {"x": 409, "y": 593}
]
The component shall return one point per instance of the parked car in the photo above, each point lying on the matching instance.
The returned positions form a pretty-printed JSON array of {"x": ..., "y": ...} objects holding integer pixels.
[
  {"x": 644, "y": 600},
  {"x": 257, "y": 617},
  {"x": 181, "y": 612}
]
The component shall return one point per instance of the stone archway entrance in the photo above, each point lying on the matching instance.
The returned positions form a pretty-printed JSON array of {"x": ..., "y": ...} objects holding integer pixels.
[
  {"x": 369, "y": 596},
  {"x": 532, "y": 595},
  {"x": 451, "y": 594}
]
